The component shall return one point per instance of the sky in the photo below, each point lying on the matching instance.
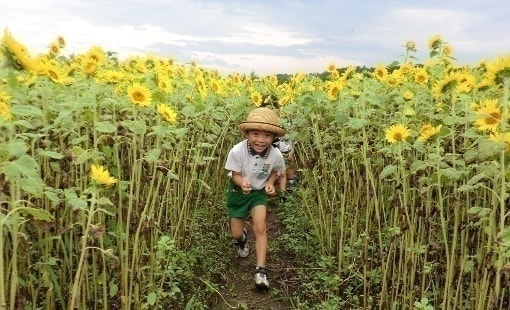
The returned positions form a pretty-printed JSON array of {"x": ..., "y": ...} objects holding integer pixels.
[{"x": 264, "y": 37}]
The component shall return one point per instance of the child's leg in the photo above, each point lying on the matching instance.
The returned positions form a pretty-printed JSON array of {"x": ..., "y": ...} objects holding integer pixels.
[
  {"x": 258, "y": 214},
  {"x": 237, "y": 227}
]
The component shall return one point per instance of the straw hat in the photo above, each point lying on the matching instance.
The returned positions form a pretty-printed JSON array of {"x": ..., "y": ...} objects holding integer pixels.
[{"x": 262, "y": 119}]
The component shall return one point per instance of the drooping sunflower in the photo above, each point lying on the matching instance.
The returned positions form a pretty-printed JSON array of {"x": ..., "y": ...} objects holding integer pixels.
[
  {"x": 434, "y": 42},
  {"x": 447, "y": 50},
  {"x": 428, "y": 131},
  {"x": 101, "y": 175},
  {"x": 489, "y": 115},
  {"x": 503, "y": 137},
  {"x": 61, "y": 41},
  {"x": 16, "y": 52},
  {"x": 447, "y": 84},
  {"x": 139, "y": 94},
  {"x": 169, "y": 114},
  {"x": 498, "y": 70},
  {"x": 397, "y": 133}
]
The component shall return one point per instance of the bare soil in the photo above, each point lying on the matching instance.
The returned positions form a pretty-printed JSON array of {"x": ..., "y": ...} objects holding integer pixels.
[{"x": 241, "y": 292}]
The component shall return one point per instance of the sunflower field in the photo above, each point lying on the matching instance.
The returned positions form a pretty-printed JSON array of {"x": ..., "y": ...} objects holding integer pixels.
[{"x": 112, "y": 180}]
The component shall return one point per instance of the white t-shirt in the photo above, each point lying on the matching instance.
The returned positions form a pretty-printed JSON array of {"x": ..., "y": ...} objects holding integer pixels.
[{"x": 256, "y": 168}]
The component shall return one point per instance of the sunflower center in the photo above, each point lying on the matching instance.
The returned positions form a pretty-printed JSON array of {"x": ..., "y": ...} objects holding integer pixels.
[
  {"x": 493, "y": 119},
  {"x": 398, "y": 136},
  {"x": 138, "y": 96}
]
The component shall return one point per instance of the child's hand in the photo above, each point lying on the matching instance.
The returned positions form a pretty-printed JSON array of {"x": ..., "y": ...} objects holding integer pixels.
[
  {"x": 246, "y": 186},
  {"x": 270, "y": 189}
]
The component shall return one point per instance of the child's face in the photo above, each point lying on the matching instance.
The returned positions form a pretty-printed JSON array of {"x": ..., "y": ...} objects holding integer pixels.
[{"x": 260, "y": 140}]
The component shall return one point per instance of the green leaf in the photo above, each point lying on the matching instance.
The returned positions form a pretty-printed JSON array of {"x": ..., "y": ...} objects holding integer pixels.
[
  {"x": 25, "y": 172},
  {"x": 114, "y": 289},
  {"x": 39, "y": 214},
  {"x": 26, "y": 110},
  {"x": 450, "y": 173},
  {"x": 387, "y": 171},
  {"x": 16, "y": 148},
  {"x": 106, "y": 127},
  {"x": 357, "y": 123},
  {"x": 418, "y": 165},
  {"x": 341, "y": 118},
  {"x": 152, "y": 298},
  {"x": 188, "y": 110},
  {"x": 504, "y": 236},
  {"x": 153, "y": 155},
  {"x": 137, "y": 127},
  {"x": 468, "y": 188},
  {"x": 49, "y": 154},
  {"x": 476, "y": 179}
]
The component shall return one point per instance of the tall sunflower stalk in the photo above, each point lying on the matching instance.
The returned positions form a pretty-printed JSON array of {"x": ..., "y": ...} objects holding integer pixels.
[{"x": 502, "y": 207}]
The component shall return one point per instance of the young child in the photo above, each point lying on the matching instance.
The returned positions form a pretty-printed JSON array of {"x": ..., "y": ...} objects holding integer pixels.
[{"x": 253, "y": 164}]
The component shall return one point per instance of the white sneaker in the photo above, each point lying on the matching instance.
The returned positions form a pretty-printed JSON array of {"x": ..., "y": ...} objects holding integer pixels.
[
  {"x": 243, "y": 250},
  {"x": 260, "y": 278},
  {"x": 242, "y": 247}
]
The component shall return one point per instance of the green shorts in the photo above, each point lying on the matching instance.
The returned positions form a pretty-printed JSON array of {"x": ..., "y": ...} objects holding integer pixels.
[{"x": 239, "y": 205}]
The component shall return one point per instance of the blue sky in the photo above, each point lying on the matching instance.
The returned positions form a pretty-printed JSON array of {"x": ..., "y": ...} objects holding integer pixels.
[{"x": 266, "y": 37}]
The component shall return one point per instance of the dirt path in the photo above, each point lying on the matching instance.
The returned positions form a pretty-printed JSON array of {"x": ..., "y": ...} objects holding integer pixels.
[{"x": 242, "y": 294}]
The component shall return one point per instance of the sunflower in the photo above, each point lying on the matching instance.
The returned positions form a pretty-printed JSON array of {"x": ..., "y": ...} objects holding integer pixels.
[
  {"x": 331, "y": 67},
  {"x": 54, "y": 48},
  {"x": 95, "y": 54},
  {"x": 101, "y": 176},
  {"x": 283, "y": 100},
  {"x": 16, "y": 52},
  {"x": 111, "y": 76},
  {"x": 503, "y": 137},
  {"x": 273, "y": 80},
  {"x": 169, "y": 114},
  {"x": 428, "y": 131},
  {"x": 380, "y": 72},
  {"x": 61, "y": 42},
  {"x": 394, "y": 79},
  {"x": 256, "y": 98},
  {"x": 447, "y": 50},
  {"x": 434, "y": 42},
  {"x": 448, "y": 83},
  {"x": 54, "y": 74},
  {"x": 421, "y": 76},
  {"x": 139, "y": 94},
  {"x": 5, "y": 110},
  {"x": 89, "y": 67},
  {"x": 165, "y": 84},
  {"x": 410, "y": 46},
  {"x": 498, "y": 70},
  {"x": 397, "y": 133},
  {"x": 334, "y": 89},
  {"x": 489, "y": 115},
  {"x": 408, "y": 95}
]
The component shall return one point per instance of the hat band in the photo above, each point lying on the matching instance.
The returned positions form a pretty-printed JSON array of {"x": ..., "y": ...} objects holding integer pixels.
[{"x": 263, "y": 123}]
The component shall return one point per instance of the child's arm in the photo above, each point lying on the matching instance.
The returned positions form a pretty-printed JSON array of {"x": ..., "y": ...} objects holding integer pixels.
[
  {"x": 242, "y": 183},
  {"x": 270, "y": 190}
]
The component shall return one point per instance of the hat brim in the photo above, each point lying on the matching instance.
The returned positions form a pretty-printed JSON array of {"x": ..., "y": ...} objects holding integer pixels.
[{"x": 277, "y": 130}]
